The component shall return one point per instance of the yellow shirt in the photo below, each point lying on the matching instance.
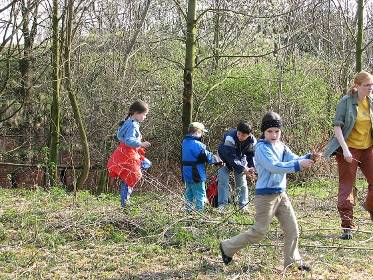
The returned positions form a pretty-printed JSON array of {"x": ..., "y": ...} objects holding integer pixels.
[{"x": 361, "y": 134}]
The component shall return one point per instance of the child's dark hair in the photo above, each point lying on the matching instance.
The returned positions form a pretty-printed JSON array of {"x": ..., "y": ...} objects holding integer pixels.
[
  {"x": 138, "y": 106},
  {"x": 244, "y": 127},
  {"x": 270, "y": 119}
]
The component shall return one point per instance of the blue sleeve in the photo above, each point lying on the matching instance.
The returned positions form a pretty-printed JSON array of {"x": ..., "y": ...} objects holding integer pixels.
[
  {"x": 211, "y": 158},
  {"x": 266, "y": 157},
  {"x": 129, "y": 134},
  {"x": 289, "y": 155},
  {"x": 203, "y": 155}
]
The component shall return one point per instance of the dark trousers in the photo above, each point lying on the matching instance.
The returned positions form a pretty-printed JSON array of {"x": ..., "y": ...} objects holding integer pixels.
[{"x": 347, "y": 179}]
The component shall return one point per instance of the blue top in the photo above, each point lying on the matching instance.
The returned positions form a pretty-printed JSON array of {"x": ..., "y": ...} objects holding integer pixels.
[
  {"x": 272, "y": 162},
  {"x": 194, "y": 157},
  {"x": 235, "y": 154},
  {"x": 129, "y": 133}
]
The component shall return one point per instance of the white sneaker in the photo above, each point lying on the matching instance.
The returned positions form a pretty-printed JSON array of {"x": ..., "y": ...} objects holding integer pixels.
[
  {"x": 221, "y": 208},
  {"x": 245, "y": 209}
]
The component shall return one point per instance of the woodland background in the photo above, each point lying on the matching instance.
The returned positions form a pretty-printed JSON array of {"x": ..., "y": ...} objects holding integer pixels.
[{"x": 70, "y": 69}]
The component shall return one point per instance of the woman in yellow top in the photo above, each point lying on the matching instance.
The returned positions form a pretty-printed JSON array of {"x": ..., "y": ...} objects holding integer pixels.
[{"x": 353, "y": 147}]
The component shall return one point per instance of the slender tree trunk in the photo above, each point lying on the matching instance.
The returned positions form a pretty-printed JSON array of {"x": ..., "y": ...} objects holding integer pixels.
[
  {"x": 25, "y": 61},
  {"x": 74, "y": 104},
  {"x": 104, "y": 180},
  {"x": 359, "y": 35},
  {"x": 190, "y": 54},
  {"x": 55, "y": 108},
  {"x": 216, "y": 50}
]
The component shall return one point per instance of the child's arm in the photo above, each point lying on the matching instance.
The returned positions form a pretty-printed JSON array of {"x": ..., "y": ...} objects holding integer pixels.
[
  {"x": 229, "y": 154},
  {"x": 206, "y": 156},
  {"x": 266, "y": 157},
  {"x": 289, "y": 155}
]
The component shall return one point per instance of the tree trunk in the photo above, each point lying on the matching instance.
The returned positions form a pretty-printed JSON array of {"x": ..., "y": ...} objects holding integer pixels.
[
  {"x": 74, "y": 104},
  {"x": 104, "y": 180},
  {"x": 55, "y": 107},
  {"x": 359, "y": 35},
  {"x": 216, "y": 49},
  {"x": 190, "y": 54},
  {"x": 25, "y": 61}
]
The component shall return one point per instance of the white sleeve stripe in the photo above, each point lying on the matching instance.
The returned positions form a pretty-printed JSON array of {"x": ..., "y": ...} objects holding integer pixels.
[{"x": 229, "y": 141}]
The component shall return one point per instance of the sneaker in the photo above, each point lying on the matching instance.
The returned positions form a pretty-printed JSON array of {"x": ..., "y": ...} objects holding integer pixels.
[
  {"x": 225, "y": 258},
  {"x": 245, "y": 209},
  {"x": 347, "y": 234},
  {"x": 304, "y": 267},
  {"x": 221, "y": 209}
]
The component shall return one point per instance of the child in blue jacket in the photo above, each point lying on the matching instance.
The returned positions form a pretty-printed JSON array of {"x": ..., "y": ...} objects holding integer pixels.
[
  {"x": 273, "y": 159},
  {"x": 194, "y": 157}
]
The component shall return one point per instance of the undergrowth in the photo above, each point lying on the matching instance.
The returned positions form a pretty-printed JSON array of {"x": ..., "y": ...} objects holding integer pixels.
[{"x": 49, "y": 235}]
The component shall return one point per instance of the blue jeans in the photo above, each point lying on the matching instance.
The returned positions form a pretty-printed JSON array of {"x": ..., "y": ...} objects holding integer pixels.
[
  {"x": 195, "y": 192},
  {"x": 125, "y": 193},
  {"x": 223, "y": 187}
]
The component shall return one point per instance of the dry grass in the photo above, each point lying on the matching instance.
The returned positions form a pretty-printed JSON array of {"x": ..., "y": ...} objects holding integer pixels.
[{"x": 48, "y": 235}]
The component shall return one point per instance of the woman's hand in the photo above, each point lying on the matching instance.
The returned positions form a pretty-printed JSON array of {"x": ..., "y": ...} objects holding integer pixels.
[{"x": 347, "y": 155}]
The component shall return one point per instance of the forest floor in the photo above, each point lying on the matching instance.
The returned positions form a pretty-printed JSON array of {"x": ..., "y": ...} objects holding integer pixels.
[{"x": 54, "y": 235}]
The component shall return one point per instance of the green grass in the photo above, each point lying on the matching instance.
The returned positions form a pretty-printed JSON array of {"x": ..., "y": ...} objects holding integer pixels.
[{"x": 48, "y": 235}]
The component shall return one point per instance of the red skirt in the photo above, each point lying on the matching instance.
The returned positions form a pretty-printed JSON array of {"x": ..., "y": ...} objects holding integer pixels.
[{"x": 125, "y": 164}]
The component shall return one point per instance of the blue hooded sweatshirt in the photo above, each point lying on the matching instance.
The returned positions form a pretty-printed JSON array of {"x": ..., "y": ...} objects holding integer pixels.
[
  {"x": 272, "y": 162},
  {"x": 194, "y": 157}
]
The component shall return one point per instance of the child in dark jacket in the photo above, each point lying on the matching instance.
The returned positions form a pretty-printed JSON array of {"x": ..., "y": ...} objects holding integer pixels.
[
  {"x": 237, "y": 152},
  {"x": 194, "y": 157}
]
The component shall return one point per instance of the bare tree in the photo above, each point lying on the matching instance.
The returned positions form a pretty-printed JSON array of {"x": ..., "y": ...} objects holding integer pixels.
[{"x": 54, "y": 139}]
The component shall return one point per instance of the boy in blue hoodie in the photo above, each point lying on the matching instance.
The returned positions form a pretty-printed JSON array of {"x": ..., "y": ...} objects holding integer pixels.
[
  {"x": 273, "y": 159},
  {"x": 194, "y": 157}
]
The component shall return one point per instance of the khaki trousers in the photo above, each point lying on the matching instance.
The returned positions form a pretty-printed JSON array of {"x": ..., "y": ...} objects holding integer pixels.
[{"x": 268, "y": 206}]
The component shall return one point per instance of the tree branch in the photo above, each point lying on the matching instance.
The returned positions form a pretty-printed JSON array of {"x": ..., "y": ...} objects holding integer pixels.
[
  {"x": 177, "y": 3},
  {"x": 250, "y": 15}
]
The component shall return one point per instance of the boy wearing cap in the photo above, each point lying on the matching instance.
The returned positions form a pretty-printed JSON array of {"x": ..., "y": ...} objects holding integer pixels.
[
  {"x": 194, "y": 157},
  {"x": 237, "y": 152}
]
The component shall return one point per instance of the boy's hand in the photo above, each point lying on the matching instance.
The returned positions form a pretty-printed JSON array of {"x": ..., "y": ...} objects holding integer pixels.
[
  {"x": 145, "y": 144},
  {"x": 315, "y": 156},
  {"x": 306, "y": 163},
  {"x": 250, "y": 172},
  {"x": 219, "y": 163}
]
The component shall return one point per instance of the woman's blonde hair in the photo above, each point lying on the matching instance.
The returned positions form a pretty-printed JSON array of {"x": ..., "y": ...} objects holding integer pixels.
[{"x": 359, "y": 79}]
